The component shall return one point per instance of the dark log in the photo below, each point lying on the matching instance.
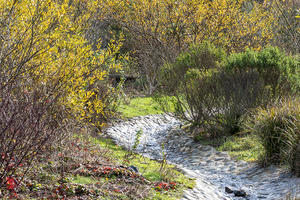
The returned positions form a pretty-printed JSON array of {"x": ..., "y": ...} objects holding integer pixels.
[{"x": 116, "y": 78}]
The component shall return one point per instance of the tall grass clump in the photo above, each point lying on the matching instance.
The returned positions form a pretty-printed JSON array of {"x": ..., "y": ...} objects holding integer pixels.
[{"x": 278, "y": 127}]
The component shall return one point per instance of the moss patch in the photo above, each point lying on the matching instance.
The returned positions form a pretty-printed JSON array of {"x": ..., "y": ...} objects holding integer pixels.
[
  {"x": 84, "y": 180},
  {"x": 241, "y": 147},
  {"x": 141, "y": 106},
  {"x": 247, "y": 148}
]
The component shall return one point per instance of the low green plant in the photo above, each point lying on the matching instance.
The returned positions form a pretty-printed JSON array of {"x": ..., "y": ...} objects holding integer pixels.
[
  {"x": 188, "y": 82},
  {"x": 131, "y": 153},
  {"x": 164, "y": 159},
  {"x": 216, "y": 102},
  {"x": 84, "y": 180},
  {"x": 213, "y": 93},
  {"x": 137, "y": 139},
  {"x": 208, "y": 96},
  {"x": 278, "y": 127}
]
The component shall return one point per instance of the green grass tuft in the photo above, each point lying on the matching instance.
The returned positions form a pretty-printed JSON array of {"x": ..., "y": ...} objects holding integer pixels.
[
  {"x": 278, "y": 127},
  {"x": 141, "y": 106},
  {"x": 84, "y": 180},
  {"x": 247, "y": 148}
]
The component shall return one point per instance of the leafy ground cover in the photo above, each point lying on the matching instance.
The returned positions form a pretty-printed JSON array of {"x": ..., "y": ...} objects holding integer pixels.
[
  {"x": 95, "y": 168},
  {"x": 162, "y": 175}
]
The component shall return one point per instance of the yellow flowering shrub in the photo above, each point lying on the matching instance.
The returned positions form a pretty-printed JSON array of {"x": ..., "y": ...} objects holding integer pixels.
[
  {"x": 44, "y": 41},
  {"x": 230, "y": 23}
]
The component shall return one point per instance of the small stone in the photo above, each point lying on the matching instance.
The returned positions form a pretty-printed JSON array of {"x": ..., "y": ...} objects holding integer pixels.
[
  {"x": 231, "y": 168},
  {"x": 233, "y": 185},
  {"x": 261, "y": 197},
  {"x": 228, "y": 190},
  {"x": 240, "y": 193},
  {"x": 218, "y": 159},
  {"x": 133, "y": 168}
]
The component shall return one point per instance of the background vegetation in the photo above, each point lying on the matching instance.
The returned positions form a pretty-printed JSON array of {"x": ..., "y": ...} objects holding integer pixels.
[{"x": 214, "y": 64}]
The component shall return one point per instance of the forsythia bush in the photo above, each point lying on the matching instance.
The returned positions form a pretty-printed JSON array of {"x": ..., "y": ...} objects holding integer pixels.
[
  {"x": 233, "y": 24},
  {"x": 47, "y": 39},
  {"x": 49, "y": 73}
]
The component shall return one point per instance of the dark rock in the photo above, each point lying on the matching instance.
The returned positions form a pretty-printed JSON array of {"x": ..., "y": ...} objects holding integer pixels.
[
  {"x": 237, "y": 193},
  {"x": 133, "y": 168},
  {"x": 228, "y": 190},
  {"x": 240, "y": 193}
]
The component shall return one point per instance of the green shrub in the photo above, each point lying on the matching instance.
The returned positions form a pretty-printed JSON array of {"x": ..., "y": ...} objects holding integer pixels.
[
  {"x": 240, "y": 91},
  {"x": 204, "y": 57},
  {"x": 279, "y": 129},
  {"x": 280, "y": 72},
  {"x": 201, "y": 56},
  {"x": 208, "y": 96}
]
